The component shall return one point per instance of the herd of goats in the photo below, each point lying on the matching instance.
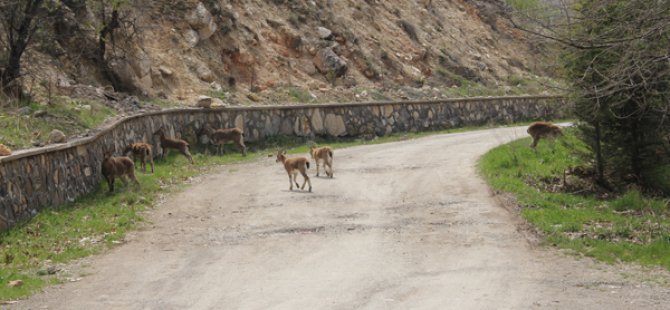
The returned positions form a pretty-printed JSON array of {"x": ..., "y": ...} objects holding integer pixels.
[{"x": 123, "y": 166}]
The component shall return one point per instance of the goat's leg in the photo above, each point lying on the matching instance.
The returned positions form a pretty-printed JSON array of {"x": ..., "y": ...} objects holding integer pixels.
[
  {"x": 187, "y": 154},
  {"x": 295, "y": 178},
  {"x": 151, "y": 161},
  {"x": 143, "y": 163},
  {"x": 131, "y": 175},
  {"x": 304, "y": 175},
  {"x": 165, "y": 153},
  {"x": 123, "y": 179},
  {"x": 317, "y": 167},
  {"x": 536, "y": 139},
  {"x": 110, "y": 184},
  {"x": 243, "y": 148},
  {"x": 290, "y": 181},
  {"x": 330, "y": 168}
]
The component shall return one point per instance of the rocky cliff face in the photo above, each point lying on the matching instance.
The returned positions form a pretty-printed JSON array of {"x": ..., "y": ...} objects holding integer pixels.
[{"x": 258, "y": 51}]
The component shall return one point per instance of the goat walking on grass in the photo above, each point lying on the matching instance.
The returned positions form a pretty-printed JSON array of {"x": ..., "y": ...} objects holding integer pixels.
[
  {"x": 173, "y": 143},
  {"x": 325, "y": 155},
  {"x": 222, "y": 136},
  {"x": 143, "y": 151},
  {"x": 113, "y": 167},
  {"x": 293, "y": 166},
  {"x": 539, "y": 130}
]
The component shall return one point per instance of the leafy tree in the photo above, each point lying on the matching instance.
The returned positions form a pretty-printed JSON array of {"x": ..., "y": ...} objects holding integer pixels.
[{"x": 617, "y": 59}]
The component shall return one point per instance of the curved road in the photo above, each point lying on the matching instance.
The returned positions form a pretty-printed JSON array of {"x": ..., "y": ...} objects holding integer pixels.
[{"x": 404, "y": 225}]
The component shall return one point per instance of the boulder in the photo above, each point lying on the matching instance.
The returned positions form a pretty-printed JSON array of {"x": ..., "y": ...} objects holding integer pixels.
[
  {"x": 328, "y": 63},
  {"x": 192, "y": 38},
  {"x": 253, "y": 97},
  {"x": 201, "y": 20},
  {"x": 324, "y": 33},
  {"x": 4, "y": 150},
  {"x": 56, "y": 136},
  {"x": 204, "y": 102}
]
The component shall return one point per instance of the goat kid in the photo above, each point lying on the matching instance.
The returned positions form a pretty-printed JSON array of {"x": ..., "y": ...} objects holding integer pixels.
[
  {"x": 293, "y": 166},
  {"x": 113, "y": 167},
  {"x": 325, "y": 155},
  {"x": 173, "y": 143},
  {"x": 141, "y": 151},
  {"x": 539, "y": 130},
  {"x": 222, "y": 136}
]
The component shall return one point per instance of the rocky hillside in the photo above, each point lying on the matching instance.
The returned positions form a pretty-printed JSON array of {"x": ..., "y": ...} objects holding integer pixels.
[{"x": 268, "y": 51}]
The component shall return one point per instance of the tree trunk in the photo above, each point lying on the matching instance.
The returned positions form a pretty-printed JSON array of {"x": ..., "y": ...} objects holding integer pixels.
[
  {"x": 108, "y": 30},
  {"x": 600, "y": 173},
  {"x": 19, "y": 38}
]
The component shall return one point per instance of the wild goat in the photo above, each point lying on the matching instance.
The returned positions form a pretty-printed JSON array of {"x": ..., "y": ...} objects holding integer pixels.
[
  {"x": 120, "y": 167},
  {"x": 143, "y": 151},
  {"x": 173, "y": 143},
  {"x": 538, "y": 130},
  {"x": 324, "y": 154},
  {"x": 292, "y": 166},
  {"x": 222, "y": 136}
]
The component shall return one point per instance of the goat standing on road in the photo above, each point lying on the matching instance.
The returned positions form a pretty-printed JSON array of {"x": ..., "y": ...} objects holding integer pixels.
[
  {"x": 293, "y": 166},
  {"x": 173, "y": 143},
  {"x": 120, "y": 167},
  {"x": 222, "y": 136},
  {"x": 539, "y": 130},
  {"x": 324, "y": 154}
]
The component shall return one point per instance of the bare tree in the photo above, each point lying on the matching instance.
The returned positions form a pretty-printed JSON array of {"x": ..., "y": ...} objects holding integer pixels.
[{"x": 18, "y": 24}]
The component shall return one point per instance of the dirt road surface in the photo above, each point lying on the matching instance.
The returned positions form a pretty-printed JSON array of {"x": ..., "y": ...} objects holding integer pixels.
[{"x": 406, "y": 225}]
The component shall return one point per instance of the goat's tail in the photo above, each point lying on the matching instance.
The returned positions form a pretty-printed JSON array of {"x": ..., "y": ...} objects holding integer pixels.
[{"x": 307, "y": 164}]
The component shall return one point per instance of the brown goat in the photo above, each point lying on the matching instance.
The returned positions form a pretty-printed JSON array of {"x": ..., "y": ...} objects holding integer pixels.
[
  {"x": 143, "y": 151},
  {"x": 173, "y": 143},
  {"x": 222, "y": 136},
  {"x": 120, "y": 167},
  {"x": 539, "y": 130},
  {"x": 293, "y": 166},
  {"x": 324, "y": 154}
]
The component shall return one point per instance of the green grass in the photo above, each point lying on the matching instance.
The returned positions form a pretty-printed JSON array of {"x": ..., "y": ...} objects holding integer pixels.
[
  {"x": 523, "y": 5},
  {"x": 70, "y": 117},
  {"x": 297, "y": 94},
  {"x": 99, "y": 220},
  {"x": 90, "y": 225},
  {"x": 629, "y": 228}
]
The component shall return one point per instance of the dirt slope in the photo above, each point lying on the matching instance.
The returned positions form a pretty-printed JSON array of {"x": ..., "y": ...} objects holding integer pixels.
[
  {"x": 227, "y": 49},
  {"x": 402, "y": 225}
]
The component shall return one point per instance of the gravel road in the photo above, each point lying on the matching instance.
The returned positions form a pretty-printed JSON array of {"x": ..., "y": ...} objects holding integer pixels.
[{"x": 405, "y": 225}]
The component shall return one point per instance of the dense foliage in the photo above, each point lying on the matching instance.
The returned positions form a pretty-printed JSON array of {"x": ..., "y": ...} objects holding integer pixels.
[{"x": 618, "y": 63}]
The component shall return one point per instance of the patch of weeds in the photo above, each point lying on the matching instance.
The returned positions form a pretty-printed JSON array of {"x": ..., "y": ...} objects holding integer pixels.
[
  {"x": 70, "y": 116},
  {"x": 634, "y": 201},
  {"x": 297, "y": 94},
  {"x": 217, "y": 94},
  {"x": 630, "y": 228}
]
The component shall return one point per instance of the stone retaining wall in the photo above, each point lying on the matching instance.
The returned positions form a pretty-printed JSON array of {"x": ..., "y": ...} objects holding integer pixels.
[{"x": 33, "y": 179}]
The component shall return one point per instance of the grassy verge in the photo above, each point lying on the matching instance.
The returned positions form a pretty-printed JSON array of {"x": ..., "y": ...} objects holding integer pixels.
[
  {"x": 17, "y": 130},
  {"x": 629, "y": 228},
  {"x": 33, "y": 252}
]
